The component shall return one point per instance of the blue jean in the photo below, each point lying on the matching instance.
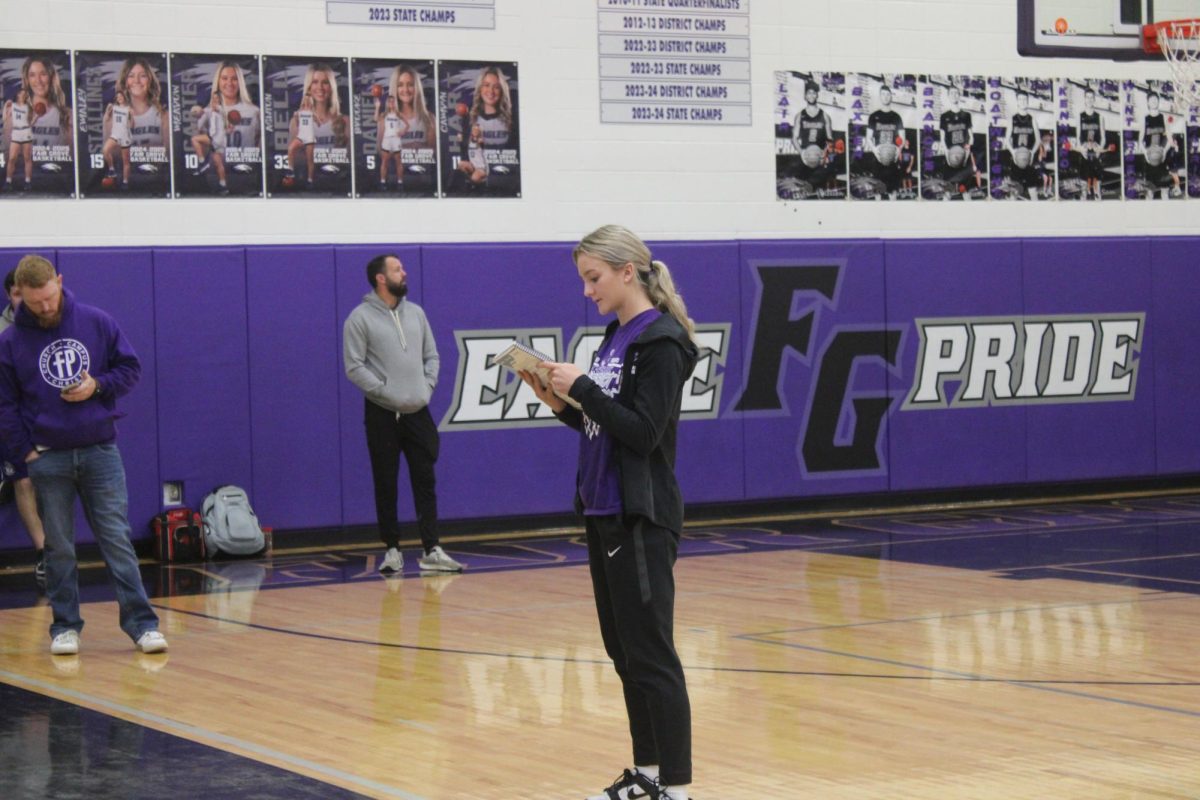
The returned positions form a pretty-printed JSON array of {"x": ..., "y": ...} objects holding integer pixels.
[{"x": 96, "y": 475}]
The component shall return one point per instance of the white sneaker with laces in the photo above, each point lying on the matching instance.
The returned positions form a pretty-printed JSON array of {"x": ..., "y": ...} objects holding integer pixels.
[
  {"x": 393, "y": 561},
  {"x": 152, "y": 642},
  {"x": 436, "y": 560},
  {"x": 65, "y": 644}
]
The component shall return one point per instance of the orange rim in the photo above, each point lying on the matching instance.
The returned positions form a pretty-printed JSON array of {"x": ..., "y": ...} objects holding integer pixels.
[{"x": 1189, "y": 28}]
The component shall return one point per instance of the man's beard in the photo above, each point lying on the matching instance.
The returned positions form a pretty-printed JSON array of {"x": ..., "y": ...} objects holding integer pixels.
[
  {"x": 51, "y": 321},
  {"x": 398, "y": 290}
]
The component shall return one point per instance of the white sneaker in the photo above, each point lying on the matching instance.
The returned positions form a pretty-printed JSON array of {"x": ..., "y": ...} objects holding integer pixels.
[
  {"x": 65, "y": 644},
  {"x": 393, "y": 561},
  {"x": 436, "y": 560},
  {"x": 625, "y": 787},
  {"x": 152, "y": 642}
]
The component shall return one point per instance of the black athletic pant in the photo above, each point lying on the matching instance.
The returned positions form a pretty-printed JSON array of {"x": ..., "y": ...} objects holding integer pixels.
[
  {"x": 416, "y": 436},
  {"x": 638, "y": 634}
]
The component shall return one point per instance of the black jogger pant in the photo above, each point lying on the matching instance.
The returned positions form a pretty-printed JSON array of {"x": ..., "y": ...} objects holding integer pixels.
[
  {"x": 416, "y": 436},
  {"x": 638, "y": 634}
]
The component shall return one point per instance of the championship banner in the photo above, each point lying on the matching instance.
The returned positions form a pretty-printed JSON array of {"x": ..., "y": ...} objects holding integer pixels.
[
  {"x": 395, "y": 128},
  {"x": 478, "y": 121},
  {"x": 1152, "y": 145},
  {"x": 307, "y": 133},
  {"x": 36, "y": 142},
  {"x": 216, "y": 124},
  {"x": 123, "y": 123},
  {"x": 1089, "y": 129},
  {"x": 810, "y": 135},
  {"x": 953, "y": 137},
  {"x": 883, "y": 136},
  {"x": 1021, "y": 138}
]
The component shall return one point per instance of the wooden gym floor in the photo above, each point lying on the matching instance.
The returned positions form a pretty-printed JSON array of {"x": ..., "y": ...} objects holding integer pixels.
[{"x": 1045, "y": 651}]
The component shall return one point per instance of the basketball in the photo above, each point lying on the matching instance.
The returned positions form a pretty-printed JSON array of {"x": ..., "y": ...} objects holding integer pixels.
[
  {"x": 377, "y": 91},
  {"x": 1154, "y": 155},
  {"x": 956, "y": 155},
  {"x": 288, "y": 181},
  {"x": 839, "y": 145},
  {"x": 899, "y": 141},
  {"x": 886, "y": 154},
  {"x": 812, "y": 156},
  {"x": 235, "y": 117},
  {"x": 1112, "y": 148},
  {"x": 1067, "y": 145},
  {"x": 39, "y": 108},
  {"x": 108, "y": 181},
  {"x": 461, "y": 109},
  {"x": 1060, "y": 25},
  {"x": 962, "y": 187},
  {"x": 1022, "y": 157}
]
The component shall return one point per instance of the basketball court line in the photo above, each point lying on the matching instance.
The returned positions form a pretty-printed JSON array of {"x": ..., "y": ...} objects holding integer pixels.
[{"x": 196, "y": 733}]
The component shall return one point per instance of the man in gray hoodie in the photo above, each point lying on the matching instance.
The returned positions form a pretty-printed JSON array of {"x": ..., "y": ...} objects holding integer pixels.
[{"x": 391, "y": 356}]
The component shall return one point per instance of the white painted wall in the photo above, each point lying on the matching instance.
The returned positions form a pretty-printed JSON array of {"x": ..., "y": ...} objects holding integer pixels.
[{"x": 667, "y": 181}]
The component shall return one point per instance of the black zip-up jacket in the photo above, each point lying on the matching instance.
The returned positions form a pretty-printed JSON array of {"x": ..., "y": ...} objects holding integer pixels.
[{"x": 642, "y": 419}]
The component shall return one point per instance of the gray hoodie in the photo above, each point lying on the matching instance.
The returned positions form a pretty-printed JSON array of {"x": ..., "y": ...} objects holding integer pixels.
[{"x": 390, "y": 354}]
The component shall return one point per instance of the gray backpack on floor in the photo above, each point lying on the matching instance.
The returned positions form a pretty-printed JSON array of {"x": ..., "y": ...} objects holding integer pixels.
[{"x": 230, "y": 525}]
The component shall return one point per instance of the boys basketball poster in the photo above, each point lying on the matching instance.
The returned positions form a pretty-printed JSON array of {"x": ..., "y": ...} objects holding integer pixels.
[
  {"x": 216, "y": 125},
  {"x": 395, "y": 128},
  {"x": 953, "y": 137},
  {"x": 123, "y": 119},
  {"x": 883, "y": 136},
  {"x": 1021, "y": 138},
  {"x": 306, "y": 108},
  {"x": 36, "y": 138},
  {"x": 479, "y": 129},
  {"x": 810, "y": 135},
  {"x": 1089, "y": 133},
  {"x": 1152, "y": 147}
]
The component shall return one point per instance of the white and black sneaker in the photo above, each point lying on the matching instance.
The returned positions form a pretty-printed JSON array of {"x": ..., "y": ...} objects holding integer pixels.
[
  {"x": 393, "y": 561},
  {"x": 627, "y": 786}
]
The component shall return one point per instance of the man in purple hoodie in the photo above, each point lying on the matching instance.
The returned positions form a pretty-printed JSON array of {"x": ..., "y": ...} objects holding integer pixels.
[{"x": 63, "y": 364}]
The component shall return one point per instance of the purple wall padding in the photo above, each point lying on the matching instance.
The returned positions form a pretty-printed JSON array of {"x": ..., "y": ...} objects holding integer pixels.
[
  {"x": 294, "y": 379},
  {"x": 851, "y": 297},
  {"x": 483, "y": 471},
  {"x": 1079, "y": 441},
  {"x": 1176, "y": 332},
  {"x": 357, "y": 496},
  {"x": 243, "y": 380},
  {"x": 203, "y": 372},
  {"x": 941, "y": 448}
]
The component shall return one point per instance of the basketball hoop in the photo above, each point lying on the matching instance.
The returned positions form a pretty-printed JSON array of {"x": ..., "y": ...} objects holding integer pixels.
[{"x": 1178, "y": 40}]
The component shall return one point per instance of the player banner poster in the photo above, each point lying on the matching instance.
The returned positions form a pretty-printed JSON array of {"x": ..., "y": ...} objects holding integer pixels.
[
  {"x": 810, "y": 135},
  {"x": 123, "y": 121},
  {"x": 478, "y": 116},
  {"x": 36, "y": 142},
  {"x": 1152, "y": 145},
  {"x": 216, "y": 125},
  {"x": 954, "y": 128},
  {"x": 395, "y": 128},
  {"x": 1089, "y": 129},
  {"x": 306, "y": 104},
  {"x": 1193, "y": 147},
  {"x": 1021, "y": 138},
  {"x": 883, "y": 136}
]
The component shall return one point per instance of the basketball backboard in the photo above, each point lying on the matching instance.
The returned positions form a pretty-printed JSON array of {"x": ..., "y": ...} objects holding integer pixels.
[{"x": 1093, "y": 28}]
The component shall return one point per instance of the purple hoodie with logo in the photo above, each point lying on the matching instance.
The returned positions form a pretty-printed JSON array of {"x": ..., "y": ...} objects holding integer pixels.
[{"x": 37, "y": 363}]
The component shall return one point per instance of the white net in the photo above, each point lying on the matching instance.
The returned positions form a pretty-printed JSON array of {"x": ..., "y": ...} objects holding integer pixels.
[{"x": 1180, "y": 44}]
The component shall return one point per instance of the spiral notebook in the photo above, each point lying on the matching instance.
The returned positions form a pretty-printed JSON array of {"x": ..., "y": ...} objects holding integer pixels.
[{"x": 519, "y": 357}]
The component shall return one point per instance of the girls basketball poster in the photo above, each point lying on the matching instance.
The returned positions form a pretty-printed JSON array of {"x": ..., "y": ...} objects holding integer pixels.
[
  {"x": 216, "y": 125},
  {"x": 1089, "y": 132},
  {"x": 1021, "y": 136},
  {"x": 883, "y": 137},
  {"x": 954, "y": 128},
  {"x": 36, "y": 138},
  {"x": 478, "y": 122},
  {"x": 124, "y": 123},
  {"x": 810, "y": 135},
  {"x": 1153, "y": 141},
  {"x": 306, "y": 109},
  {"x": 395, "y": 128}
]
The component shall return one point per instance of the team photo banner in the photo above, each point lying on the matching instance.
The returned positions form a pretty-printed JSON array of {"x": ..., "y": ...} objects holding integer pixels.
[
  {"x": 123, "y": 119},
  {"x": 36, "y": 139},
  {"x": 216, "y": 124}
]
